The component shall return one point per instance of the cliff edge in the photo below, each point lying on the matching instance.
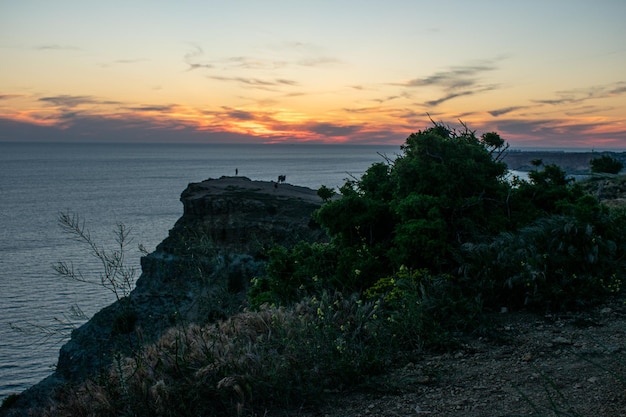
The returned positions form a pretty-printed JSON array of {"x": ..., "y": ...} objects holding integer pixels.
[{"x": 198, "y": 274}]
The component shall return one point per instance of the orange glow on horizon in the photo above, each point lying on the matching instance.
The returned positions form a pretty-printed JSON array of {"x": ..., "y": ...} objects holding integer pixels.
[{"x": 368, "y": 124}]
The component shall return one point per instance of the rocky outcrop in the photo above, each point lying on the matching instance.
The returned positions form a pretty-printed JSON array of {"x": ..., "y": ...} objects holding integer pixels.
[{"x": 198, "y": 274}]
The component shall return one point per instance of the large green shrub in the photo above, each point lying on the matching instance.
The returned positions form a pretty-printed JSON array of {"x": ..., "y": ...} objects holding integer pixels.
[
  {"x": 445, "y": 188},
  {"x": 558, "y": 262},
  {"x": 446, "y": 206},
  {"x": 606, "y": 164}
]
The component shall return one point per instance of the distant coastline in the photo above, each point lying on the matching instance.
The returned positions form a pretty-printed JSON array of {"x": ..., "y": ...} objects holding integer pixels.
[{"x": 571, "y": 161}]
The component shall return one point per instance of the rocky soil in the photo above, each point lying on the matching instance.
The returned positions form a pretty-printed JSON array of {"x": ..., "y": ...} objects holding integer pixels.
[{"x": 571, "y": 364}]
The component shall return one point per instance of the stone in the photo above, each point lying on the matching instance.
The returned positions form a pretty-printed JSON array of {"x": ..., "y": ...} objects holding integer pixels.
[{"x": 198, "y": 274}]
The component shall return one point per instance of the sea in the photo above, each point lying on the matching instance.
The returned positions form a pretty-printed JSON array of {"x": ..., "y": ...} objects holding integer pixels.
[{"x": 107, "y": 184}]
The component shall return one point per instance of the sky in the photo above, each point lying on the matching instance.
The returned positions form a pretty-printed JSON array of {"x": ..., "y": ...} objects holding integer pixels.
[{"x": 541, "y": 73}]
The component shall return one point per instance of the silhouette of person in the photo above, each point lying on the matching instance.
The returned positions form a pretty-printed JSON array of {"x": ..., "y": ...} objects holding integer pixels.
[{"x": 236, "y": 171}]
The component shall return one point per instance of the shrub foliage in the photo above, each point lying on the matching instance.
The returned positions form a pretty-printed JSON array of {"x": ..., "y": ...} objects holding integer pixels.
[
  {"x": 421, "y": 248},
  {"x": 606, "y": 164},
  {"x": 446, "y": 205}
]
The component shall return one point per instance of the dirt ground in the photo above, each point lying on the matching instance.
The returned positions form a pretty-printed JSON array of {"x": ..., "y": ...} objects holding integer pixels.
[{"x": 555, "y": 365}]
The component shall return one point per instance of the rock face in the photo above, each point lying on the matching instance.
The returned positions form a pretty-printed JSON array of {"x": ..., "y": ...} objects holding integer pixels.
[{"x": 198, "y": 274}]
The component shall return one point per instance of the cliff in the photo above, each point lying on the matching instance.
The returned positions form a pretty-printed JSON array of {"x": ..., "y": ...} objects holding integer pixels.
[{"x": 198, "y": 274}]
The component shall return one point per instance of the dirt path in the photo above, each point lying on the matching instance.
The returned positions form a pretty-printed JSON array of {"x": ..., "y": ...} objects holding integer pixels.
[{"x": 566, "y": 365}]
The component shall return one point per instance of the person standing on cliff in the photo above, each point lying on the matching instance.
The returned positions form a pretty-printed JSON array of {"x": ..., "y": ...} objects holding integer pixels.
[{"x": 236, "y": 171}]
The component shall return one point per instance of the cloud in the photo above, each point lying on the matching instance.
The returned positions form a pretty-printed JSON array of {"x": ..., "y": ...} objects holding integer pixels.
[
  {"x": 586, "y": 110},
  {"x": 505, "y": 110},
  {"x": 333, "y": 130},
  {"x": 122, "y": 62},
  {"x": 130, "y": 129},
  {"x": 240, "y": 114},
  {"x": 297, "y": 54},
  {"x": 257, "y": 82},
  {"x": 620, "y": 88},
  {"x": 457, "y": 81},
  {"x": 311, "y": 55},
  {"x": 448, "y": 97},
  {"x": 452, "y": 95},
  {"x": 453, "y": 79},
  {"x": 558, "y": 133},
  {"x": 130, "y": 61},
  {"x": 580, "y": 95},
  {"x": 10, "y": 96},
  {"x": 68, "y": 100},
  {"x": 191, "y": 59},
  {"x": 318, "y": 61},
  {"x": 157, "y": 108},
  {"x": 243, "y": 62},
  {"x": 56, "y": 47}
]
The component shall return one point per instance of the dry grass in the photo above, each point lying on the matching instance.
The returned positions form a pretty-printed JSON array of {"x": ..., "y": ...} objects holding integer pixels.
[{"x": 253, "y": 361}]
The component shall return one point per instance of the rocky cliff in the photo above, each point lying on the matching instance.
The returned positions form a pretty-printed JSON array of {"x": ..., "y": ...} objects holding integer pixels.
[{"x": 198, "y": 274}]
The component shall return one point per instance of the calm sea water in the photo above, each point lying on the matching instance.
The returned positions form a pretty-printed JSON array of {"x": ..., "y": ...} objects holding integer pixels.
[{"x": 135, "y": 184}]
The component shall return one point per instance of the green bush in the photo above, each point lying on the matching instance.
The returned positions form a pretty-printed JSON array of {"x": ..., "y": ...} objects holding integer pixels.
[
  {"x": 606, "y": 164},
  {"x": 556, "y": 263},
  {"x": 425, "y": 311},
  {"x": 304, "y": 270},
  {"x": 326, "y": 193},
  {"x": 445, "y": 205}
]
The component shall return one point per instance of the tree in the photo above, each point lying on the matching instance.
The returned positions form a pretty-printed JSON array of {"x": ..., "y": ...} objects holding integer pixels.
[
  {"x": 446, "y": 188},
  {"x": 445, "y": 193},
  {"x": 606, "y": 164},
  {"x": 325, "y": 193}
]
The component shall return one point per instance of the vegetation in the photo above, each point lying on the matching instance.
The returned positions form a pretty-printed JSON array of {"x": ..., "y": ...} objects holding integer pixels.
[
  {"x": 606, "y": 164},
  {"x": 446, "y": 207},
  {"x": 420, "y": 249},
  {"x": 116, "y": 276}
]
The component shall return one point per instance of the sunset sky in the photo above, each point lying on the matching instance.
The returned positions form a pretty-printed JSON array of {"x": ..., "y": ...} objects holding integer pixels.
[{"x": 549, "y": 73}]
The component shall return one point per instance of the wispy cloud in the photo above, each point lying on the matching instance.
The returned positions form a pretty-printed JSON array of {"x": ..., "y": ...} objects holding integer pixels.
[
  {"x": 129, "y": 128},
  {"x": 457, "y": 81},
  {"x": 453, "y": 79},
  {"x": 193, "y": 59},
  {"x": 296, "y": 54},
  {"x": 56, "y": 47},
  {"x": 10, "y": 96},
  {"x": 505, "y": 110},
  {"x": 240, "y": 114},
  {"x": 619, "y": 88},
  {"x": 257, "y": 82},
  {"x": 311, "y": 55},
  {"x": 333, "y": 130},
  {"x": 557, "y": 132},
  {"x": 68, "y": 100},
  {"x": 580, "y": 95},
  {"x": 447, "y": 97},
  {"x": 588, "y": 110},
  {"x": 127, "y": 61},
  {"x": 153, "y": 108},
  {"x": 244, "y": 62},
  {"x": 318, "y": 61},
  {"x": 130, "y": 61}
]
